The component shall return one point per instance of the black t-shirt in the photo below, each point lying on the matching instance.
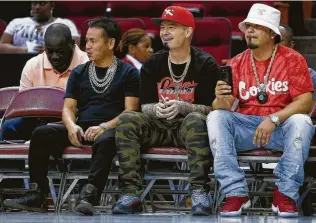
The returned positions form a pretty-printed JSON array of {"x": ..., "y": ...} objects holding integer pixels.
[
  {"x": 198, "y": 86},
  {"x": 96, "y": 108}
]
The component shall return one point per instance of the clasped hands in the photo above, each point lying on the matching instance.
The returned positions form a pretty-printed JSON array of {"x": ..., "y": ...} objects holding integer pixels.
[
  {"x": 168, "y": 109},
  {"x": 76, "y": 134}
]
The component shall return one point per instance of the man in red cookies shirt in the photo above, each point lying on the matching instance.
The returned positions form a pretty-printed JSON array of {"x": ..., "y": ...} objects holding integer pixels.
[{"x": 274, "y": 89}]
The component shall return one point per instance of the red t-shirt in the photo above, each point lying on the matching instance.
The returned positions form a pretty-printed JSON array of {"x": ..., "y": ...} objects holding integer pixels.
[{"x": 289, "y": 77}]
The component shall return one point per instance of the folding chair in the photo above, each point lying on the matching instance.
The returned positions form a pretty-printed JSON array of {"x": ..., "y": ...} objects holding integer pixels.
[
  {"x": 39, "y": 102},
  {"x": 6, "y": 94}
]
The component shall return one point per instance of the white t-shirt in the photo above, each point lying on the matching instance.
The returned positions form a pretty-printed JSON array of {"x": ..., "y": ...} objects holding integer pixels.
[{"x": 24, "y": 29}]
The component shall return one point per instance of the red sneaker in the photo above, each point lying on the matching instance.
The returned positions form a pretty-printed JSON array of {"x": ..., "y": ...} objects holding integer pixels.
[
  {"x": 283, "y": 205},
  {"x": 234, "y": 206}
]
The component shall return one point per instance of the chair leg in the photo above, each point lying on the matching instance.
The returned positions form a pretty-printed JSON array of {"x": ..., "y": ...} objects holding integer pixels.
[
  {"x": 61, "y": 191},
  {"x": 304, "y": 194},
  {"x": 147, "y": 189},
  {"x": 52, "y": 191}
]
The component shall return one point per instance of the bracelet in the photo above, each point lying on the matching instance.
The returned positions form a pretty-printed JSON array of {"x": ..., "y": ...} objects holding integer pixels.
[{"x": 105, "y": 126}]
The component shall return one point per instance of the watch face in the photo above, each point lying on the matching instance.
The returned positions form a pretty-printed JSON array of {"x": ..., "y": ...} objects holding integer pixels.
[{"x": 274, "y": 119}]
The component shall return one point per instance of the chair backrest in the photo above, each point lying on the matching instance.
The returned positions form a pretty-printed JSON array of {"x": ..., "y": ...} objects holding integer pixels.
[
  {"x": 124, "y": 24},
  {"x": 3, "y": 25},
  {"x": 36, "y": 102},
  {"x": 79, "y": 8},
  {"x": 213, "y": 35},
  {"x": 137, "y": 8},
  {"x": 6, "y": 94}
]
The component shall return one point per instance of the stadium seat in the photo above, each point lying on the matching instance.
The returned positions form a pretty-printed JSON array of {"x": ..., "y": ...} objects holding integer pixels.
[
  {"x": 235, "y": 11},
  {"x": 43, "y": 102},
  {"x": 6, "y": 94},
  {"x": 213, "y": 35},
  {"x": 3, "y": 25}
]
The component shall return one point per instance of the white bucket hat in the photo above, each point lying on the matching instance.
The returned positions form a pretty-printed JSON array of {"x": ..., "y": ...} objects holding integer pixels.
[{"x": 263, "y": 15}]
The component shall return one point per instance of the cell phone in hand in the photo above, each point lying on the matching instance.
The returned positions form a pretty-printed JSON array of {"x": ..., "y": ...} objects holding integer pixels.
[{"x": 225, "y": 74}]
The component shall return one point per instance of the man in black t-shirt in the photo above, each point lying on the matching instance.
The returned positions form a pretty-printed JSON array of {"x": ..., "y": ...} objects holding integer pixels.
[
  {"x": 97, "y": 93},
  {"x": 177, "y": 89}
]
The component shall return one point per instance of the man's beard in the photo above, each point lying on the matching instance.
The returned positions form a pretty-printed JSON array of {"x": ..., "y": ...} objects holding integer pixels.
[{"x": 252, "y": 46}]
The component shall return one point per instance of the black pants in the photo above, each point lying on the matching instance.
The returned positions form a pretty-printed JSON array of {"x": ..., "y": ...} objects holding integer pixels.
[{"x": 51, "y": 140}]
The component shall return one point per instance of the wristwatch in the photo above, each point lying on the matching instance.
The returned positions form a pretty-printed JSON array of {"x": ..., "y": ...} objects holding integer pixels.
[
  {"x": 275, "y": 119},
  {"x": 105, "y": 125}
]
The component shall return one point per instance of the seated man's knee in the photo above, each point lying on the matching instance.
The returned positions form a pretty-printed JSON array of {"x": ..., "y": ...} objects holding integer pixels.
[
  {"x": 218, "y": 116},
  {"x": 126, "y": 117},
  {"x": 300, "y": 122},
  {"x": 40, "y": 132},
  {"x": 195, "y": 119},
  {"x": 130, "y": 119}
]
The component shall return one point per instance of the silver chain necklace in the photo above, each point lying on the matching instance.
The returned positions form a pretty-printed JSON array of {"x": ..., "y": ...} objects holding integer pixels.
[
  {"x": 104, "y": 82},
  {"x": 262, "y": 96},
  {"x": 177, "y": 79}
]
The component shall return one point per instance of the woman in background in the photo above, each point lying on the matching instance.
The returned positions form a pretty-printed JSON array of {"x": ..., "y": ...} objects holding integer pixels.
[
  {"x": 136, "y": 47},
  {"x": 26, "y": 35}
]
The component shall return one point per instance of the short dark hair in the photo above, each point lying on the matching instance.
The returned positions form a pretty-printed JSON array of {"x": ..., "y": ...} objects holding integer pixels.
[
  {"x": 58, "y": 31},
  {"x": 110, "y": 28}
]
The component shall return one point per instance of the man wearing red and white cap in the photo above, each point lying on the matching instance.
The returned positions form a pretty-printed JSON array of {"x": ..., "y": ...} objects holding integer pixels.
[
  {"x": 274, "y": 89},
  {"x": 177, "y": 88}
]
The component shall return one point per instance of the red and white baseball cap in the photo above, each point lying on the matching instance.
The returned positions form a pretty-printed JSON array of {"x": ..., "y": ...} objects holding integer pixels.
[{"x": 177, "y": 14}]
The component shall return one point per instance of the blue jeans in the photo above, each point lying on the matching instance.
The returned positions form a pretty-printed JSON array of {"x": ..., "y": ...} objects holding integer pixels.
[
  {"x": 19, "y": 128},
  {"x": 231, "y": 132}
]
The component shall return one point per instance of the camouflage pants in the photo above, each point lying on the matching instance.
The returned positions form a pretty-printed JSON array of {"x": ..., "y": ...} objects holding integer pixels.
[{"x": 137, "y": 131}]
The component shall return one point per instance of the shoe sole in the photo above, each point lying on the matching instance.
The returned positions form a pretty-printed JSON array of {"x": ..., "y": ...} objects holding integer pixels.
[
  {"x": 134, "y": 211},
  {"x": 236, "y": 213},
  {"x": 8, "y": 204},
  {"x": 200, "y": 212},
  {"x": 284, "y": 214},
  {"x": 85, "y": 209}
]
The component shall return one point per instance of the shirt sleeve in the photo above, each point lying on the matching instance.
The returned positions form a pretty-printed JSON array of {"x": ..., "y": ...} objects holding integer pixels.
[
  {"x": 148, "y": 85},
  {"x": 132, "y": 83},
  {"x": 300, "y": 80},
  {"x": 205, "y": 90},
  {"x": 11, "y": 27},
  {"x": 26, "y": 77},
  {"x": 72, "y": 27},
  {"x": 313, "y": 76},
  {"x": 73, "y": 87}
]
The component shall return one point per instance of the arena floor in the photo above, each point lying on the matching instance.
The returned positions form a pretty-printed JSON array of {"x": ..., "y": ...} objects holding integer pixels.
[{"x": 144, "y": 218}]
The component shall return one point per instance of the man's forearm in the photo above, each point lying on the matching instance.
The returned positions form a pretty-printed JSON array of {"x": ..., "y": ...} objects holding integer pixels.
[
  {"x": 296, "y": 107},
  {"x": 187, "y": 108},
  {"x": 69, "y": 118},
  {"x": 150, "y": 109}
]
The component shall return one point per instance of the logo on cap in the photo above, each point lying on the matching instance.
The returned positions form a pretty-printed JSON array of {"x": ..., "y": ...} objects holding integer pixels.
[
  {"x": 261, "y": 11},
  {"x": 168, "y": 12}
]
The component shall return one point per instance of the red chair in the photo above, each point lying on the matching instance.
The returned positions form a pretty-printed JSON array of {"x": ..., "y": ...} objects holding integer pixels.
[
  {"x": 124, "y": 24},
  {"x": 34, "y": 102},
  {"x": 144, "y": 10},
  {"x": 80, "y": 8},
  {"x": 235, "y": 11},
  {"x": 3, "y": 25},
  {"x": 196, "y": 8},
  {"x": 213, "y": 35},
  {"x": 6, "y": 94}
]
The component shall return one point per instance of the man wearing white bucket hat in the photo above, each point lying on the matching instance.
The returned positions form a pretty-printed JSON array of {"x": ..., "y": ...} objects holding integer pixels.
[{"x": 274, "y": 89}]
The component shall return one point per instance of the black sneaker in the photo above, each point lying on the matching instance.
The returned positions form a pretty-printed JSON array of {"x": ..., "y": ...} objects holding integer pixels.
[
  {"x": 86, "y": 200},
  {"x": 127, "y": 205},
  {"x": 32, "y": 201}
]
